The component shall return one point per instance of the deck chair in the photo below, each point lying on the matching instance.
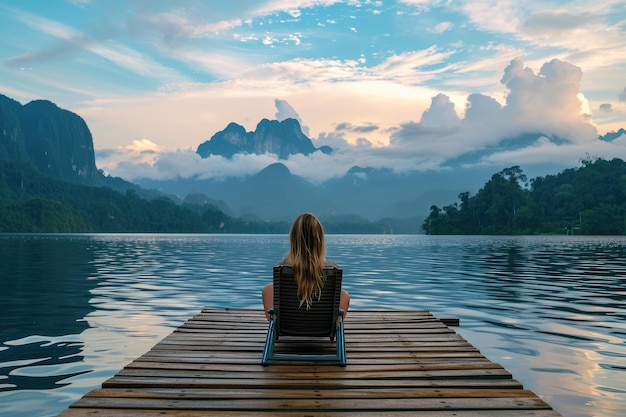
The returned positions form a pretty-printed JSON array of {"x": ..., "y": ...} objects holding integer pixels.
[{"x": 324, "y": 318}]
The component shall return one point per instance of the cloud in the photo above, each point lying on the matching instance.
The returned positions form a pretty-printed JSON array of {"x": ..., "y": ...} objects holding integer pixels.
[
  {"x": 273, "y": 6},
  {"x": 581, "y": 32},
  {"x": 481, "y": 109},
  {"x": 285, "y": 111},
  {"x": 556, "y": 22},
  {"x": 494, "y": 15},
  {"x": 69, "y": 42},
  {"x": 545, "y": 152},
  {"x": 349, "y": 127},
  {"x": 621, "y": 140},
  {"x": 441, "y": 113},
  {"x": 139, "y": 153},
  {"x": 79, "y": 3},
  {"x": 65, "y": 41},
  {"x": 176, "y": 26},
  {"x": 548, "y": 101},
  {"x": 144, "y": 145},
  {"x": 443, "y": 27},
  {"x": 336, "y": 140},
  {"x": 169, "y": 165},
  {"x": 411, "y": 65},
  {"x": 622, "y": 95},
  {"x": 606, "y": 107}
]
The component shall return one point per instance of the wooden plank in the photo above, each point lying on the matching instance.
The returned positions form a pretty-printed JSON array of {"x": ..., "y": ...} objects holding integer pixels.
[
  {"x": 319, "y": 383},
  {"x": 309, "y": 373},
  {"x": 306, "y": 404},
  {"x": 266, "y": 393},
  {"x": 399, "y": 363},
  {"x": 413, "y": 356},
  {"x": 170, "y": 362},
  {"x": 451, "y": 321},
  {"x": 319, "y": 370},
  {"x": 100, "y": 412}
]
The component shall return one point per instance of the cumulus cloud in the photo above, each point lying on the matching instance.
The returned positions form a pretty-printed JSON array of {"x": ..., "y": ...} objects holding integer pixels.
[
  {"x": 285, "y": 111},
  {"x": 441, "y": 113},
  {"x": 336, "y": 140},
  {"x": 548, "y": 101},
  {"x": 142, "y": 152},
  {"x": 480, "y": 109}
]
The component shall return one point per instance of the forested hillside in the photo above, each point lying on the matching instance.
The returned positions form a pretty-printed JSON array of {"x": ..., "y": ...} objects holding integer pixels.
[
  {"x": 588, "y": 200},
  {"x": 34, "y": 203}
]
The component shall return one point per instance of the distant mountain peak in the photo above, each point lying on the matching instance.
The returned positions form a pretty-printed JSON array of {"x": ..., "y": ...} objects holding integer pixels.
[
  {"x": 274, "y": 171},
  {"x": 611, "y": 136},
  {"x": 275, "y": 168},
  {"x": 282, "y": 138}
]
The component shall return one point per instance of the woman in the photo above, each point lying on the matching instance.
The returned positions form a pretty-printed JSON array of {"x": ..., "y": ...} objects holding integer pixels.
[{"x": 306, "y": 256}]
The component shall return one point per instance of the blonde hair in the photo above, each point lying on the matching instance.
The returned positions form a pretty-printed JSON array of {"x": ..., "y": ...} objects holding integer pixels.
[{"x": 306, "y": 256}]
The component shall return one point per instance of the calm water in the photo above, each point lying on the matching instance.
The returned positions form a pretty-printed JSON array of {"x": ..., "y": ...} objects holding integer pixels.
[{"x": 77, "y": 308}]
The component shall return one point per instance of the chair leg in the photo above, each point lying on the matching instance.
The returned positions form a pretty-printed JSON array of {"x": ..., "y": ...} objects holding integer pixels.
[
  {"x": 268, "y": 350},
  {"x": 341, "y": 345}
]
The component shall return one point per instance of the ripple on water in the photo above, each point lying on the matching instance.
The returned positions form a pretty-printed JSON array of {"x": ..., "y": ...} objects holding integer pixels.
[{"x": 550, "y": 308}]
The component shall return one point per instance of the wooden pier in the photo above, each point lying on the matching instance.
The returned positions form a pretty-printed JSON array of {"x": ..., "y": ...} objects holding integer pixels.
[{"x": 400, "y": 363}]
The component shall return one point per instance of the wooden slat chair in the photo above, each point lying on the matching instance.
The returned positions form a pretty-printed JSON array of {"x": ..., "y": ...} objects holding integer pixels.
[{"x": 323, "y": 319}]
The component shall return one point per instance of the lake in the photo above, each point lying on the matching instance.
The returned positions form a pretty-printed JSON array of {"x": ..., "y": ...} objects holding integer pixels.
[{"x": 77, "y": 308}]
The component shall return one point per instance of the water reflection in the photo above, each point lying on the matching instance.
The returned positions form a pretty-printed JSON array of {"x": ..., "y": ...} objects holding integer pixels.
[
  {"x": 44, "y": 297},
  {"x": 550, "y": 309}
]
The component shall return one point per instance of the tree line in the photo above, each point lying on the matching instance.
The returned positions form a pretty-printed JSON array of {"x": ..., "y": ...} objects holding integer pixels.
[
  {"x": 589, "y": 200},
  {"x": 34, "y": 203}
]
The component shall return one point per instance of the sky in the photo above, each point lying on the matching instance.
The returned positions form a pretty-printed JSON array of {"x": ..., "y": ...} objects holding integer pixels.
[{"x": 406, "y": 84}]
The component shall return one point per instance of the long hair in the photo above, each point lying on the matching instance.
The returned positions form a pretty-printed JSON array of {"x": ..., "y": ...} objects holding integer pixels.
[{"x": 306, "y": 256}]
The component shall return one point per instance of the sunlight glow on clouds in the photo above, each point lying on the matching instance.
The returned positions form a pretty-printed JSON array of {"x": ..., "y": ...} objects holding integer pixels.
[
  {"x": 548, "y": 101},
  {"x": 407, "y": 84}
]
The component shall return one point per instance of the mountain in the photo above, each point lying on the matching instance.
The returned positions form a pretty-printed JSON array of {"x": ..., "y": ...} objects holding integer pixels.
[
  {"x": 273, "y": 194},
  {"x": 270, "y": 136},
  {"x": 12, "y": 140},
  {"x": 59, "y": 142},
  {"x": 276, "y": 194},
  {"x": 611, "y": 136},
  {"x": 56, "y": 141},
  {"x": 53, "y": 142}
]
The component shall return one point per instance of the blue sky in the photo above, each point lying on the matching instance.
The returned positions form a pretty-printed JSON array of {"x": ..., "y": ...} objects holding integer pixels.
[{"x": 408, "y": 85}]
